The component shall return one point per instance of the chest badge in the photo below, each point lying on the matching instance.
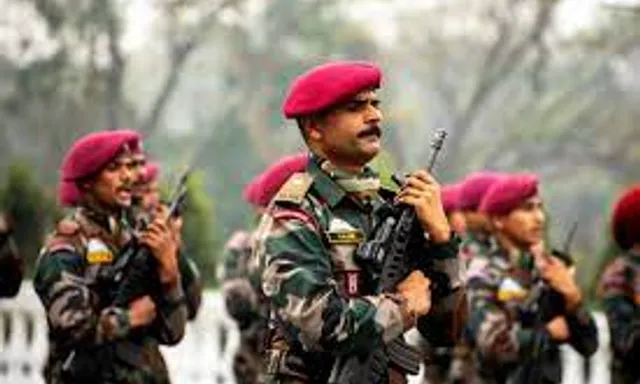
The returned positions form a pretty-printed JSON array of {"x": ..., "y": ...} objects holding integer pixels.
[
  {"x": 510, "y": 290},
  {"x": 98, "y": 252}
]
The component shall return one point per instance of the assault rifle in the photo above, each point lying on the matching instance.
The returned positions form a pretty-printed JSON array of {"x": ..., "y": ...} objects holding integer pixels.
[{"x": 391, "y": 253}]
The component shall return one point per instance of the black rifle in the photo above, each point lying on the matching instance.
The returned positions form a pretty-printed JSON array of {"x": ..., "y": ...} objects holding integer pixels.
[{"x": 390, "y": 256}]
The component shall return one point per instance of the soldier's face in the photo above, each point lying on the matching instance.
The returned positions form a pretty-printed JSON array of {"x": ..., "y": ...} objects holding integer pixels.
[
  {"x": 150, "y": 195},
  {"x": 350, "y": 133},
  {"x": 113, "y": 185},
  {"x": 524, "y": 226},
  {"x": 139, "y": 160}
]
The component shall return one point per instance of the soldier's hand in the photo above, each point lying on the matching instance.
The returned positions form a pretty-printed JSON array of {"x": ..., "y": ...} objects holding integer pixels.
[
  {"x": 422, "y": 192},
  {"x": 159, "y": 237},
  {"x": 560, "y": 278},
  {"x": 415, "y": 290},
  {"x": 558, "y": 329},
  {"x": 142, "y": 311}
]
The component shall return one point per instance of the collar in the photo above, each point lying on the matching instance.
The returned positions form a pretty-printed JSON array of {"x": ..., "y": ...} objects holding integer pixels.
[{"x": 334, "y": 184}]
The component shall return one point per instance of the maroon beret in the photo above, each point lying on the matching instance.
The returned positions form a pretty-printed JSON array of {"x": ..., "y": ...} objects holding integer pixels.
[
  {"x": 264, "y": 187},
  {"x": 150, "y": 172},
  {"x": 90, "y": 154},
  {"x": 473, "y": 189},
  {"x": 450, "y": 196},
  {"x": 626, "y": 218},
  {"x": 508, "y": 193},
  {"x": 329, "y": 84}
]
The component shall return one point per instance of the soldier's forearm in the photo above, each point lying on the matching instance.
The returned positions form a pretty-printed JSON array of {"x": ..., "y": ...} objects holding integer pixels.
[
  {"x": 583, "y": 332},
  {"x": 172, "y": 315}
]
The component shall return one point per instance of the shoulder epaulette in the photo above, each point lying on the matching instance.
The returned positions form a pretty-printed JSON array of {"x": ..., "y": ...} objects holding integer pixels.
[{"x": 295, "y": 188}]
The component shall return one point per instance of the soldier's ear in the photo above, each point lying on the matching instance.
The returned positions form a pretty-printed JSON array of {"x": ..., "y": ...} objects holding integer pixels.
[{"x": 497, "y": 223}]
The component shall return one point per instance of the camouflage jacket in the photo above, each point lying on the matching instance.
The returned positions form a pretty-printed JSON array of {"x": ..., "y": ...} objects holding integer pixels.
[
  {"x": 11, "y": 267},
  {"x": 509, "y": 305},
  {"x": 87, "y": 334},
  {"x": 619, "y": 290},
  {"x": 322, "y": 303}
]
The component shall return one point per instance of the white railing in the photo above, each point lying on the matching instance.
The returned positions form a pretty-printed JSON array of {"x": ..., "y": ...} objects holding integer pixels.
[{"x": 205, "y": 354}]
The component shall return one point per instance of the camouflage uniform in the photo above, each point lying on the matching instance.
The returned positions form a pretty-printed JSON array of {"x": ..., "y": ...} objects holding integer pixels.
[
  {"x": 245, "y": 305},
  {"x": 11, "y": 266},
  {"x": 322, "y": 303},
  {"x": 619, "y": 289},
  {"x": 474, "y": 244},
  {"x": 74, "y": 282},
  {"x": 509, "y": 306}
]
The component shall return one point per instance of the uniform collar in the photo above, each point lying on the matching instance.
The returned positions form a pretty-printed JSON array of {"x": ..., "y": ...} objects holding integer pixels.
[{"x": 325, "y": 180}]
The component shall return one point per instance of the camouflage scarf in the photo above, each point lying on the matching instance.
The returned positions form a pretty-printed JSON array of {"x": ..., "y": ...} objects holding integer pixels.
[{"x": 363, "y": 184}]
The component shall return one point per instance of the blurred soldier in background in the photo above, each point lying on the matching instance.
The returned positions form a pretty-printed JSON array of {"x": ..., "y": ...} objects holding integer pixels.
[
  {"x": 619, "y": 289},
  {"x": 241, "y": 287}
]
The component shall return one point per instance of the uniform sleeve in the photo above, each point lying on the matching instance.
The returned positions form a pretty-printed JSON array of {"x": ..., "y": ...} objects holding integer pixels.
[
  {"x": 498, "y": 338},
  {"x": 298, "y": 281},
  {"x": 71, "y": 303},
  {"x": 191, "y": 284},
  {"x": 11, "y": 268},
  {"x": 172, "y": 314},
  {"x": 583, "y": 332},
  {"x": 619, "y": 308}
]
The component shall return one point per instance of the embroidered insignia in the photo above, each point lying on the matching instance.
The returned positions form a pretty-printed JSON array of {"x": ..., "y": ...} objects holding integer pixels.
[
  {"x": 98, "y": 252},
  {"x": 346, "y": 237},
  {"x": 510, "y": 290}
]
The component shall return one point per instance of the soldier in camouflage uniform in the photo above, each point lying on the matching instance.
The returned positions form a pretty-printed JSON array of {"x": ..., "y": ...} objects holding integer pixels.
[
  {"x": 91, "y": 340},
  {"x": 523, "y": 305},
  {"x": 619, "y": 289},
  {"x": 476, "y": 238},
  {"x": 322, "y": 304},
  {"x": 148, "y": 201},
  {"x": 11, "y": 264},
  {"x": 241, "y": 287}
]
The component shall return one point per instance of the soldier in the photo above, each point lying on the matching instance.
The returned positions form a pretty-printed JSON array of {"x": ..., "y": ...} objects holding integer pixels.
[
  {"x": 241, "y": 287},
  {"x": 91, "y": 340},
  {"x": 322, "y": 304},
  {"x": 11, "y": 264},
  {"x": 522, "y": 305},
  {"x": 619, "y": 289},
  {"x": 472, "y": 190},
  {"x": 149, "y": 200}
]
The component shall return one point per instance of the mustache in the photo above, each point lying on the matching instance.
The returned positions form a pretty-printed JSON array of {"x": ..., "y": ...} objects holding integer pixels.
[{"x": 372, "y": 130}]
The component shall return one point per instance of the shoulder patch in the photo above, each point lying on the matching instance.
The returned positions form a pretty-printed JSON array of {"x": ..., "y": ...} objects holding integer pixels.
[{"x": 295, "y": 188}]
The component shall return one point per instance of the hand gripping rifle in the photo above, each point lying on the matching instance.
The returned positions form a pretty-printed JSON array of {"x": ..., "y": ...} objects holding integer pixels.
[
  {"x": 135, "y": 272},
  {"x": 390, "y": 255}
]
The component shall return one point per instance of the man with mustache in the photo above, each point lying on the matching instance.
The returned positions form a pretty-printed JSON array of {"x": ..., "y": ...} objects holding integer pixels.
[
  {"x": 619, "y": 289},
  {"x": 523, "y": 304},
  {"x": 90, "y": 339},
  {"x": 323, "y": 305}
]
